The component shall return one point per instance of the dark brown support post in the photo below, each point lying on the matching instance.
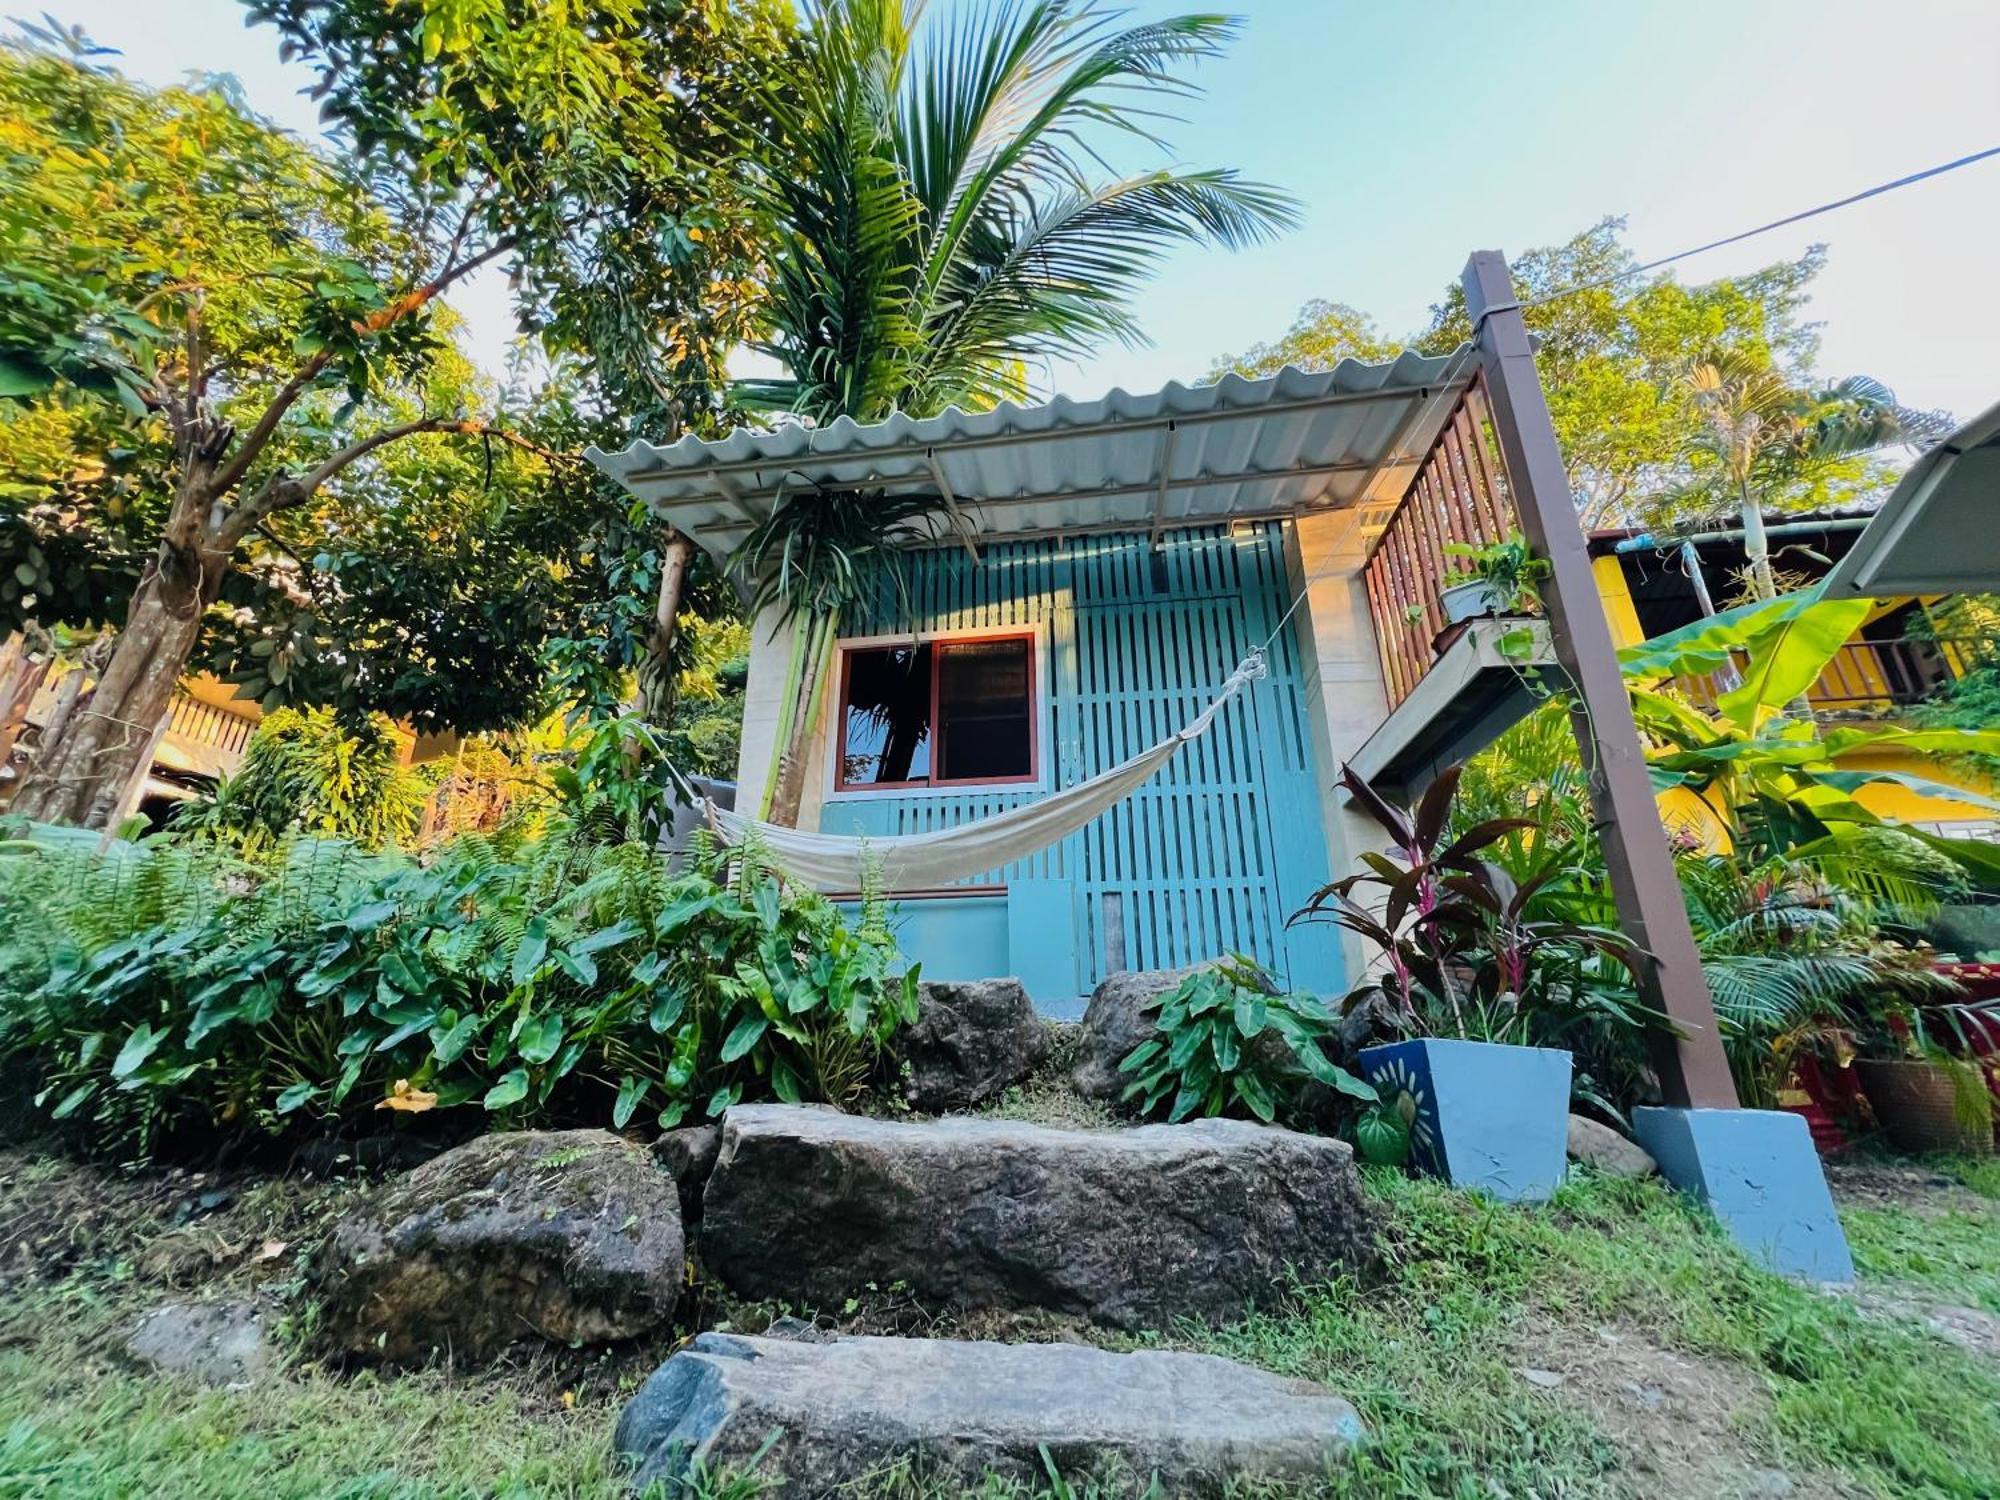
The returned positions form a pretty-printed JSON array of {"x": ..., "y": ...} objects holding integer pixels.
[{"x": 1693, "y": 1070}]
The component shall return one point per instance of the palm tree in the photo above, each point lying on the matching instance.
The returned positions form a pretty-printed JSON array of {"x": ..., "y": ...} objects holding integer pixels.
[
  {"x": 941, "y": 219},
  {"x": 1760, "y": 436}
]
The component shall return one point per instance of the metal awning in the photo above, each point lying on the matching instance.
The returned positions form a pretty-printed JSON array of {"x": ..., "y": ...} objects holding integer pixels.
[
  {"x": 1182, "y": 456},
  {"x": 1939, "y": 530}
]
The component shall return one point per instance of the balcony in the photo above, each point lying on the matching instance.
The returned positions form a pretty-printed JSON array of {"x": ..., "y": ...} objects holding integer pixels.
[{"x": 1865, "y": 679}]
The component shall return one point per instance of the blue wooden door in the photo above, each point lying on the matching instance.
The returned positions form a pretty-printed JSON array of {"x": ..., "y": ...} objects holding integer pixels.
[{"x": 1213, "y": 854}]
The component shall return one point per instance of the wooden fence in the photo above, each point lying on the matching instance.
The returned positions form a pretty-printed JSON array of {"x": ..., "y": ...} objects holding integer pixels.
[{"x": 1459, "y": 495}]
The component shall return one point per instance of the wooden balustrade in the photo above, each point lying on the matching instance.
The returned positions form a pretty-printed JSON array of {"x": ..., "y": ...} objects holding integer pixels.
[{"x": 1459, "y": 495}]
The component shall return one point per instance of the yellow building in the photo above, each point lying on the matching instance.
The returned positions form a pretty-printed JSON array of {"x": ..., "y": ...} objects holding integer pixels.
[{"x": 1650, "y": 586}]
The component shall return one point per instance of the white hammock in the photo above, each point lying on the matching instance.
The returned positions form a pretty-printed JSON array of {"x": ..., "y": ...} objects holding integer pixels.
[{"x": 924, "y": 861}]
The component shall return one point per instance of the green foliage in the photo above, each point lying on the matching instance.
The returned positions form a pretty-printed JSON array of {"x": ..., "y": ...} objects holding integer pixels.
[
  {"x": 1323, "y": 334},
  {"x": 316, "y": 773},
  {"x": 1462, "y": 947},
  {"x": 1509, "y": 568},
  {"x": 1230, "y": 1041},
  {"x": 174, "y": 985}
]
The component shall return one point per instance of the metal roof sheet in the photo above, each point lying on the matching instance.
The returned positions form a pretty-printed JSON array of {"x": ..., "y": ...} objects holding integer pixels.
[
  {"x": 1180, "y": 456},
  {"x": 1939, "y": 530}
]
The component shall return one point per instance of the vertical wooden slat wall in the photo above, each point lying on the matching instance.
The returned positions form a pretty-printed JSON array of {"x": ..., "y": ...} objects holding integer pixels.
[
  {"x": 1214, "y": 853},
  {"x": 1459, "y": 495}
]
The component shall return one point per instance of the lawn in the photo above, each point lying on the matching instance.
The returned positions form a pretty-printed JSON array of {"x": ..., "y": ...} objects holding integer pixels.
[{"x": 1609, "y": 1343}]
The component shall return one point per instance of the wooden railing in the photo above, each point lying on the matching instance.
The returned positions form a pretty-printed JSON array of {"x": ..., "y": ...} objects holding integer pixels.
[
  {"x": 1460, "y": 495},
  {"x": 1864, "y": 674},
  {"x": 198, "y": 723}
]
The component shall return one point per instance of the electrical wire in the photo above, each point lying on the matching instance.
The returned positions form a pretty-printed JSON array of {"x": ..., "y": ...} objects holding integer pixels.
[{"x": 1810, "y": 213}]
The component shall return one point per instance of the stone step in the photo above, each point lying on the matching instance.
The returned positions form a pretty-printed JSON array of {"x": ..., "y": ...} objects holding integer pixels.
[
  {"x": 844, "y": 1408},
  {"x": 1129, "y": 1228}
]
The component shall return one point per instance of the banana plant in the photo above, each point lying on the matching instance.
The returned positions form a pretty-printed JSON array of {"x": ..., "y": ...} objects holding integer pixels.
[{"x": 1786, "y": 784}]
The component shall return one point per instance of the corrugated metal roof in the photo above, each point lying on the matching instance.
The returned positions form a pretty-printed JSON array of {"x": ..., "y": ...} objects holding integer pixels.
[
  {"x": 1939, "y": 530},
  {"x": 1181, "y": 456}
]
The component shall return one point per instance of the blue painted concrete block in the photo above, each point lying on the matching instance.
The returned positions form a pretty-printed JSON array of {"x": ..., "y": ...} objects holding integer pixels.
[
  {"x": 1759, "y": 1175},
  {"x": 1482, "y": 1114}
]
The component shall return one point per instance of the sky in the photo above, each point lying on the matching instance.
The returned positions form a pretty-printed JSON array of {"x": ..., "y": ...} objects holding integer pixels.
[{"x": 1415, "y": 131}]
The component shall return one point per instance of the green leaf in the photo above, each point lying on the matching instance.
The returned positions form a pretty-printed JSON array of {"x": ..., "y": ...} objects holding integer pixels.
[
  {"x": 511, "y": 1089},
  {"x": 631, "y": 1090},
  {"x": 540, "y": 1038},
  {"x": 1252, "y": 1011},
  {"x": 1256, "y": 1098},
  {"x": 533, "y": 949},
  {"x": 296, "y": 1097},
  {"x": 451, "y": 1046},
  {"x": 1789, "y": 658},
  {"x": 723, "y": 1098},
  {"x": 1226, "y": 1046},
  {"x": 667, "y": 1010},
  {"x": 742, "y": 1037},
  {"x": 140, "y": 1045}
]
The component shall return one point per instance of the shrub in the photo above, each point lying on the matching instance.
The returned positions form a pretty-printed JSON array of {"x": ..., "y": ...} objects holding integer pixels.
[
  {"x": 169, "y": 985},
  {"x": 1230, "y": 1040},
  {"x": 314, "y": 771}
]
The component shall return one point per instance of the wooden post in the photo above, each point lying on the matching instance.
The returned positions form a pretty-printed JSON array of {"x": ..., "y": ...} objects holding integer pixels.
[{"x": 1693, "y": 1069}]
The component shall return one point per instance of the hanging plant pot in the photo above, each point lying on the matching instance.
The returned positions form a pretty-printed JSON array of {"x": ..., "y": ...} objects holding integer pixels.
[
  {"x": 1470, "y": 601},
  {"x": 1918, "y": 1106},
  {"x": 1481, "y": 1115}
]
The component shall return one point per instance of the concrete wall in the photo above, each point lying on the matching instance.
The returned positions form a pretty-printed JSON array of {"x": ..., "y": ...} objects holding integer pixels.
[{"x": 1346, "y": 697}]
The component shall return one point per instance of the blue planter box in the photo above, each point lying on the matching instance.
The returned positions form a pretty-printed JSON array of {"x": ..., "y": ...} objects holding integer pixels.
[{"x": 1484, "y": 1115}]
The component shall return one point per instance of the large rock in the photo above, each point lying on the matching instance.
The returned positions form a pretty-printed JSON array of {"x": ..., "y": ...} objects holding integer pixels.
[
  {"x": 849, "y": 1407},
  {"x": 972, "y": 1040},
  {"x": 1114, "y": 1023},
  {"x": 688, "y": 1156},
  {"x": 222, "y": 1343},
  {"x": 572, "y": 1236},
  {"x": 1600, "y": 1146},
  {"x": 1131, "y": 1228}
]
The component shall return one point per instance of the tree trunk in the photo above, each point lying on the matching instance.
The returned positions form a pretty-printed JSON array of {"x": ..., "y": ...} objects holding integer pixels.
[
  {"x": 1757, "y": 548},
  {"x": 82, "y": 776},
  {"x": 801, "y": 721},
  {"x": 656, "y": 671}
]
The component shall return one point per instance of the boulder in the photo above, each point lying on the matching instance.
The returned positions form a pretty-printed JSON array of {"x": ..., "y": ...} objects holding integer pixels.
[
  {"x": 1600, "y": 1146},
  {"x": 1130, "y": 1228},
  {"x": 972, "y": 1040},
  {"x": 217, "y": 1343},
  {"x": 688, "y": 1155},
  {"x": 572, "y": 1236},
  {"x": 846, "y": 1408},
  {"x": 1113, "y": 1024}
]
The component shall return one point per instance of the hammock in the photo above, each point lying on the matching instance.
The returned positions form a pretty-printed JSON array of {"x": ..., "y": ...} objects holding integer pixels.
[{"x": 923, "y": 861}]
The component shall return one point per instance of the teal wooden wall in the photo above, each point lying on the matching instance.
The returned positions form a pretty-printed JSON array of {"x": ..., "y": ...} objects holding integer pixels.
[{"x": 1215, "y": 852}]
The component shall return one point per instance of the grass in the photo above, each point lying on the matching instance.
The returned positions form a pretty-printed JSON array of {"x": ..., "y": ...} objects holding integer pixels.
[{"x": 1432, "y": 1352}]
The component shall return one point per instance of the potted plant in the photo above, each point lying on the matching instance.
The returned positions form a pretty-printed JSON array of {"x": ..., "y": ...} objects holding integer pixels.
[
  {"x": 1501, "y": 579},
  {"x": 1924, "y": 1098},
  {"x": 1466, "y": 986}
]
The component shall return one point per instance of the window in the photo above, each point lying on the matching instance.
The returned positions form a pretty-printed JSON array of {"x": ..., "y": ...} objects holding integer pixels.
[{"x": 944, "y": 713}]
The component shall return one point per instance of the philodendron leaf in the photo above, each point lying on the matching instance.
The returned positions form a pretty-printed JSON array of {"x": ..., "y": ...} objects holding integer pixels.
[
  {"x": 511, "y": 1089},
  {"x": 140, "y": 1045},
  {"x": 630, "y": 1091}
]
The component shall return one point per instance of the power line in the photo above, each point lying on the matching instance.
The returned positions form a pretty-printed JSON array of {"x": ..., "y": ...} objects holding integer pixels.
[{"x": 1810, "y": 213}]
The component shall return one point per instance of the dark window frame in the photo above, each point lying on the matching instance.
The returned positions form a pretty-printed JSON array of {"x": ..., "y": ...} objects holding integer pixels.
[{"x": 938, "y": 644}]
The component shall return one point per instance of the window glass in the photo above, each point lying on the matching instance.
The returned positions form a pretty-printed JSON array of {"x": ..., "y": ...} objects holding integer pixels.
[
  {"x": 985, "y": 717},
  {"x": 938, "y": 713},
  {"x": 888, "y": 727}
]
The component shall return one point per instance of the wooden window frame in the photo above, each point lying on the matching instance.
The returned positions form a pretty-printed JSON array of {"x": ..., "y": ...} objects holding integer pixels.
[{"x": 840, "y": 787}]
